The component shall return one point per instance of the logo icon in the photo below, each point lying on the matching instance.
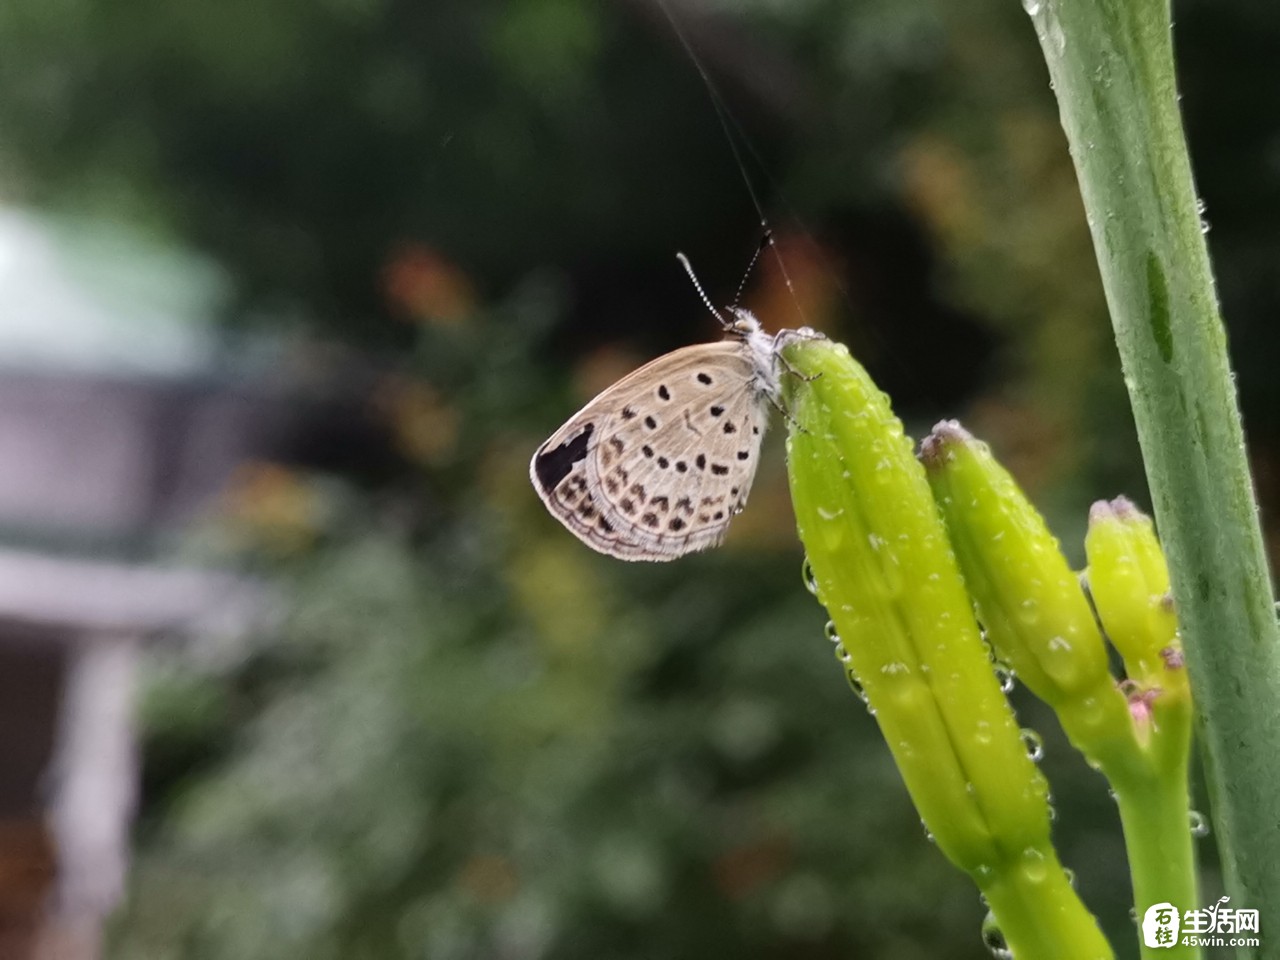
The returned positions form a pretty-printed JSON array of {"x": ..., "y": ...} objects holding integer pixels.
[
  {"x": 1211, "y": 927},
  {"x": 1160, "y": 925}
]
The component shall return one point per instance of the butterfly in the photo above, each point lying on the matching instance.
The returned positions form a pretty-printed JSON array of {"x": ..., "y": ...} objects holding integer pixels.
[{"x": 657, "y": 465}]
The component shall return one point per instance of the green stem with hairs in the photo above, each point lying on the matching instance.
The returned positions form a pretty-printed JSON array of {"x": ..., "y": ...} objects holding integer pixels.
[{"x": 1111, "y": 63}]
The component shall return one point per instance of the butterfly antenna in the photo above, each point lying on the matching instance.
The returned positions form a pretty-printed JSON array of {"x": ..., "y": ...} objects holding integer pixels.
[
  {"x": 688, "y": 268},
  {"x": 755, "y": 258}
]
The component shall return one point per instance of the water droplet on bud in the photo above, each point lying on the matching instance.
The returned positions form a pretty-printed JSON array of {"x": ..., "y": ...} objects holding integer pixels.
[
  {"x": 1199, "y": 824},
  {"x": 1033, "y": 744},
  {"x": 993, "y": 939},
  {"x": 810, "y": 581},
  {"x": 1005, "y": 675}
]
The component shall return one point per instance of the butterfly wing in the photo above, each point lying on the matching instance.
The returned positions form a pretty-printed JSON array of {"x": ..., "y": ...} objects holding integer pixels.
[{"x": 657, "y": 465}]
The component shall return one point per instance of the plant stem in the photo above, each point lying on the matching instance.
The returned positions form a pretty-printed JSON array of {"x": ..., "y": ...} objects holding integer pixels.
[
  {"x": 1111, "y": 62},
  {"x": 1039, "y": 914},
  {"x": 1157, "y": 838}
]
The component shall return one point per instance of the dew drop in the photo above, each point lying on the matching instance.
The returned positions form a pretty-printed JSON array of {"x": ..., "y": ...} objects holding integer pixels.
[
  {"x": 1033, "y": 744},
  {"x": 1034, "y": 865},
  {"x": 856, "y": 686},
  {"x": 830, "y": 631},
  {"x": 928, "y": 834},
  {"x": 1070, "y": 875},
  {"x": 810, "y": 581},
  {"x": 1005, "y": 675},
  {"x": 993, "y": 938},
  {"x": 1199, "y": 824},
  {"x": 842, "y": 654}
]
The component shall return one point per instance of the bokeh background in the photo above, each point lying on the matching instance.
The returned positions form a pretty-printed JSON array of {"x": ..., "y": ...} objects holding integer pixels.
[{"x": 289, "y": 293}]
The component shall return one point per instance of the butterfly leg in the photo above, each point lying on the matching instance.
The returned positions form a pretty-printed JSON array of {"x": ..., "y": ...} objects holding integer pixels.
[
  {"x": 788, "y": 368},
  {"x": 784, "y": 337},
  {"x": 786, "y": 414}
]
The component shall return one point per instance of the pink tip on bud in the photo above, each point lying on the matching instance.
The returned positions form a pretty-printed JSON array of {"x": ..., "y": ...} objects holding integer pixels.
[
  {"x": 1140, "y": 710},
  {"x": 933, "y": 448},
  {"x": 1173, "y": 658},
  {"x": 1140, "y": 700},
  {"x": 951, "y": 430},
  {"x": 1100, "y": 512},
  {"x": 1126, "y": 509}
]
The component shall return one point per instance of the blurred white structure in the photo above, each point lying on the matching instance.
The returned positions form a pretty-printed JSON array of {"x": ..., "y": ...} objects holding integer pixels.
[{"x": 116, "y": 426}]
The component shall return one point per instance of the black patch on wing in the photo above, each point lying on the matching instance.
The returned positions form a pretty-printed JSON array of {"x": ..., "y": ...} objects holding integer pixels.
[{"x": 554, "y": 465}]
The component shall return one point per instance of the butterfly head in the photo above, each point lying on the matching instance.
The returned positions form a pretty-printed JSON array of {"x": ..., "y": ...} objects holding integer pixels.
[{"x": 739, "y": 322}]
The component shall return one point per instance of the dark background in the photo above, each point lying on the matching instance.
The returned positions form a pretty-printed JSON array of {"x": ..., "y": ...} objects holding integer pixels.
[{"x": 439, "y": 226}]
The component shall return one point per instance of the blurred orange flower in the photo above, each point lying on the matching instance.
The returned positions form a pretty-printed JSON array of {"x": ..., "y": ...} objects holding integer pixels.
[
  {"x": 489, "y": 878},
  {"x": 424, "y": 425},
  {"x": 602, "y": 368},
  {"x": 273, "y": 505},
  {"x": 939, "y": 185},
  {"x": 743, "y": 870},
  {"x": 424, "y": 287},
  {"x": 807, "y": 294}
]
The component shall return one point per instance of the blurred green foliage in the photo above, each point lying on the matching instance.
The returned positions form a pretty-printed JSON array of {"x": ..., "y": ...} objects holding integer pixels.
[{"x": 470, "y": 737}]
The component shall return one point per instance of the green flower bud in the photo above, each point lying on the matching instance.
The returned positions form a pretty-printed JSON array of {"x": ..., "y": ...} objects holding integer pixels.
[
  {"x": 1129, "y": 581},
  {"x": 882, "y": 565},
  {"x": 1038, "y": 617},
  {"x": 1035, "y": 612},
  {"x": 1130, "y": 585}
]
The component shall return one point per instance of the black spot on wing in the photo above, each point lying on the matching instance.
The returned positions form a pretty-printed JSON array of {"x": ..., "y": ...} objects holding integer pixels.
[{"x": 554, "y": 465}]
